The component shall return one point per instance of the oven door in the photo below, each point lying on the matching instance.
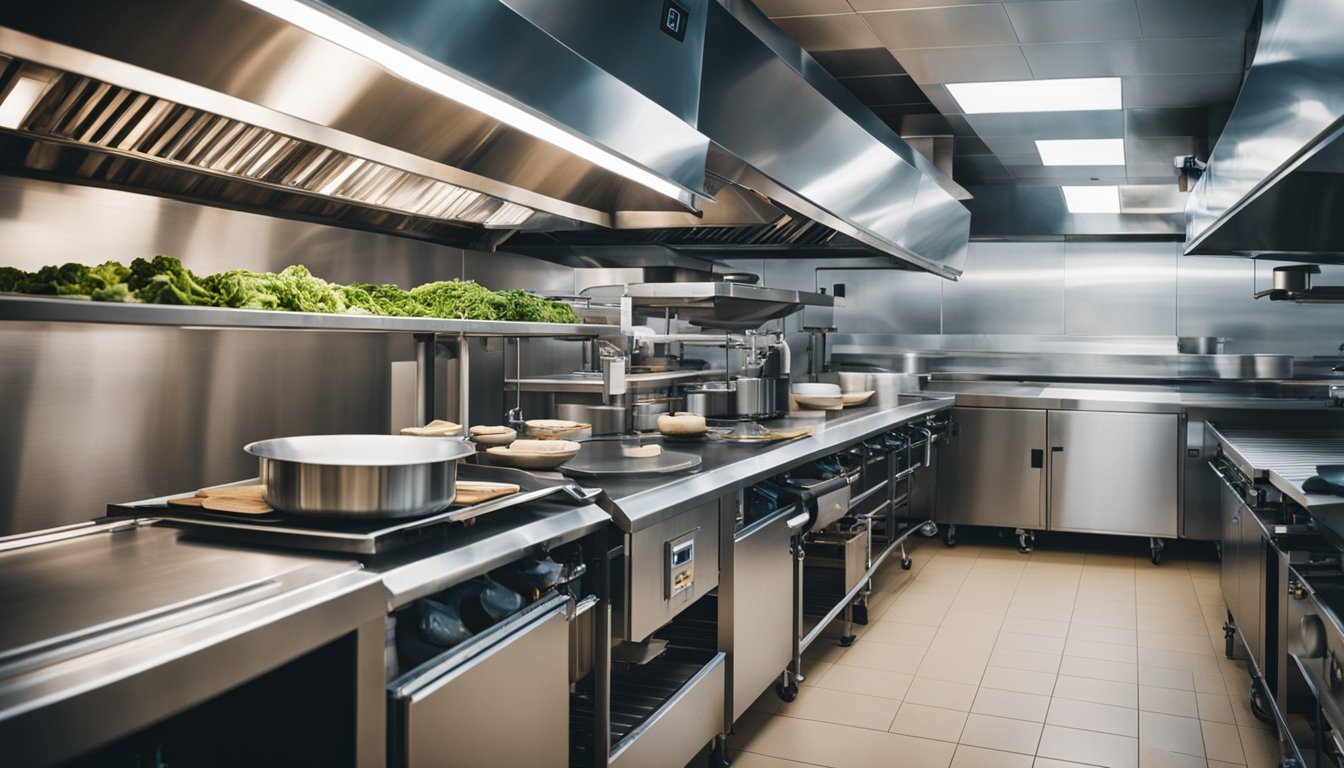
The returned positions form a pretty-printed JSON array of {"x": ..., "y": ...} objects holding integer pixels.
[{"x": 469, "y": 705}]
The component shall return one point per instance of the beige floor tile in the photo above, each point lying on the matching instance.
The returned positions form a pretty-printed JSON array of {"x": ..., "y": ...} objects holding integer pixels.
[
  {"x": 1169, "y": 733},
  {"x": 825, "y": 650},
  {"x": 929, "y": 722},
  {"x": 842, "y": 746},
  {"x": 813, "y": 670},
  {"x": 1088, "y": 716},
  {"x": 1030, "y": 626},
  {"x": 1241, "y": 707},
  {"x": 1183, "y": 643},
  {"x": 1221, "y": 764},
  {"x": 1112, "y": 607},
  {"x": 951, "y": 669},
  {"x": 1188, "y": 611},
  {"x": 1215, "y": 708},
  {"x": 1168, "y": 701},
  {"x": 1029, "y": 660},
  {"x": 979, "y": 757},
  {"x": 866, "y": 682},
  {"x": 1208, "y": 682},
  {"x": 1096, "y": 669},
  {"x": 884, "y": 631},
  {"x": 753, "y": 760},
  {"x": 1054, "y": 596},
  {"x": 1038, "y": 611},
  {"x": 1160, "y": 758},
  {"x": 979, "y": 603},
  {"x": 816, "y": 703},
  {"x": 1049, "y": 762},
  {"x": 905, "y": 601},
  {"x": 1165, "y": 677},
  {"x": 1019, "y": 641},
  {"x": 1088, "y": 649},
  {"x": 932, "y": 589},
  {"x": 1260, "y": 746},
  {"x": 1192, "y": 627},
  {"x": 1101, "y": 619},
  {"x": 962, "y": 565},
  {"x": 1180, "y": 659},
  {"x": 939, "y": 693},
  {"x": 1018, "y": 680},
  {"x": 1089, "y": 747},
  {"x": 963, "y": 639},
  {"x": 980, "y": 579},
  {"x": 926, "y": 616},
  {"x": 1001, "y": 733},
  {"x": 885, "y": 656},
  {"x": 1222, "y": 742},
  {"x": 1019, "y": 706},
  {"x": 1097, "y": 691},
  {"x": 1095, "y": 634}
]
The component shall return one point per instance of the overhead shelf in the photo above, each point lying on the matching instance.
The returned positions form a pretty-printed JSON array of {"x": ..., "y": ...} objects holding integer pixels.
[{"x": 52, "y": 310}]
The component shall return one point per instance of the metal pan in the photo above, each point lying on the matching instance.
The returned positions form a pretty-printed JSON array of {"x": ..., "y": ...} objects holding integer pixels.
[{"x": 359, "y": 476}]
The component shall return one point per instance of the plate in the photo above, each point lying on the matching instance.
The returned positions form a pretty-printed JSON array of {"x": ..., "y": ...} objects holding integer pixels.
[
  {"x": 857, "y": 398},
  {"x": 558, "y": 429},
  {"x": 494, "y": 438},
  {"x": 508, "y": 456},
  {"x": 820, "y": 403}
]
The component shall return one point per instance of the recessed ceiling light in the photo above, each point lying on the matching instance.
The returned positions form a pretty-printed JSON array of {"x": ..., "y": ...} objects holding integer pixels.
[
  {"x": 1092, "y": 199},
  {"x": 20, "y": 100},
  {"x": 1081, "y": 151},
  {"x": 1066, "y": 95}
]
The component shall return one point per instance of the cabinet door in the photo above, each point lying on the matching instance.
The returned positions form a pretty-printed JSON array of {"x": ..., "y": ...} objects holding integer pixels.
[
  {"x": 1114, "y": 472},
  {"x": 992, "y": 472},
  {"x": 1230, "y": 507}
]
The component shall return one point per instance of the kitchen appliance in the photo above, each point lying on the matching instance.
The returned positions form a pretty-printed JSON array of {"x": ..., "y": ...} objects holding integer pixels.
[
  {"x": 759, "y": 391},
  {"x": 359, "y": 476}
]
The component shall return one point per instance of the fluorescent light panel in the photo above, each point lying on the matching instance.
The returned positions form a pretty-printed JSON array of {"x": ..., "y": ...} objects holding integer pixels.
[
  {"x": 1092, "y": 199},
  {"x": 1067, "y": 95},
  {"x": 1081, "y": 151},
  {"x": 409, "y": 68},
  {"x": 20, "y": 100}
]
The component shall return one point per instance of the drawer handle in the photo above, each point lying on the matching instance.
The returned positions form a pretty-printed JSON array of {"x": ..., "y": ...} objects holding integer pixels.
[{"x": 797, "y": 521}]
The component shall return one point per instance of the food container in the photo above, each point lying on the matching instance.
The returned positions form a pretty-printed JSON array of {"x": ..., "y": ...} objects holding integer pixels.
[
  {"x": 712, "y": 400},
  {"x": 359, "y": 476},
  {"x": 605, "y": 419},
  {"x": 646, "y": 415}
]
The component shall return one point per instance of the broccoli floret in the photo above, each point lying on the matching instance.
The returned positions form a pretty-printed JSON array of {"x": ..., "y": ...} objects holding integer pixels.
[
  {"x": 13, "y": 280},
  {"x": 165, "y": 281}
]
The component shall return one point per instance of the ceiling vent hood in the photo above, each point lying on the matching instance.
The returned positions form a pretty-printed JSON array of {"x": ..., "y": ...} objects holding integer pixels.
[
  {"x": 798, "y": 167},
  {"x": 429, "y": 119},
  {"x": 1275, "y": 181}
]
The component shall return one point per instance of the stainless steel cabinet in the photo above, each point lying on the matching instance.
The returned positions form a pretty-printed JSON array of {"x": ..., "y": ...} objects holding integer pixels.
[
  {"x": 1114, "y": 472},
  {"x": 757, "y": 596},
  {"x": 992, "y": 468}
]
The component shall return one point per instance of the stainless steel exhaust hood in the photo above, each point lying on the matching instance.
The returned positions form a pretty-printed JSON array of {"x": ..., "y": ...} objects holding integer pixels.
[
  {"x": 798, "y": 165},
  {"x": 1275, "y": 181},
  {"x": 422, "y": 118}
]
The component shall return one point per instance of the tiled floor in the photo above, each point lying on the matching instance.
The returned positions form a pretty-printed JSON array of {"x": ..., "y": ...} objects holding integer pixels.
[{"x": 983, "y": 657}]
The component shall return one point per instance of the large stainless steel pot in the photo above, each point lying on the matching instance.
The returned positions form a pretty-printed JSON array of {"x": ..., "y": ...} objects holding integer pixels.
[{"x": 359, "y": 476}]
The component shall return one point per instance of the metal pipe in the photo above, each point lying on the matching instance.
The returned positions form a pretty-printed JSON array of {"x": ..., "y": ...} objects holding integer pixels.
[
  {"x": 463, "y": 382},
  {"x": 424, "y": 378}
]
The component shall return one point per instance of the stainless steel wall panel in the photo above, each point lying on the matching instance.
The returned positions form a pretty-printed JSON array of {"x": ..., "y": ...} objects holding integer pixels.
[
  {"x": 1008, "y": 288},
  {"x": 886, "y": 301},
  {"x": 1120, "y": 289}
]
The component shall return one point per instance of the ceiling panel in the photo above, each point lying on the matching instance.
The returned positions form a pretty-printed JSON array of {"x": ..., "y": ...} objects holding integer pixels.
[
  {"x": 1158, "y": 151},
  {"x": 862, "y": 62},
  {"x": 1011, "y": 145},
  {"x": 881, "y": 90},
  {"x": 962, "y": 25},
  {"x": 985, "y": 167},
  {"x": 1067, "y": 174},
  {"x": 1099, "y": 124},
  {"x": 1195, "y": 18},
  {"x": 1058, "y": 21},
  {"x": 802, "y": 7},
  {"x": 908, "y": 123},
  {"x": 1134, "y": 57},
  {"x": 1162, "y": 123},
  {"x": 828, "y": 33},
  {"x": 940, "y": 98},
  {"x": 1180, "y": 90},
  {"x": 960, "y": 65},
  {"x": 970, "y": 145}
]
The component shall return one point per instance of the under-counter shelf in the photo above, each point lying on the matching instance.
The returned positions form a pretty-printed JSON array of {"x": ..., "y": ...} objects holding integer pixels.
[{"x": 53, "y": 310}]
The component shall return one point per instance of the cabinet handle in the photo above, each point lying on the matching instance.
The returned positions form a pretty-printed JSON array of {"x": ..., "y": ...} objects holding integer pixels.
[
  {"x": 1056, "y": 449},
  {"x": 1037, "y": 458}
]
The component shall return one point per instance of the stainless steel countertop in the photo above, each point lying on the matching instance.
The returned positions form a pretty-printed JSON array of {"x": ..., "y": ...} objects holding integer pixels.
[
  {"x": 1103, "y": 397},
  {"x": 637, "y": 502},
  {"x": 1287, "y": 458}
]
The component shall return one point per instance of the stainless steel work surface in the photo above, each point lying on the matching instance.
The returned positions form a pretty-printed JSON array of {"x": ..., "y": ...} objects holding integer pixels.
[
  {"x": 609, "y": 457},
  {"x": 1111, "y": 397},
  {"x": 639, "y": 502},
  {"x": 1285, "y": 457},
  {"x": 103, "y": 588}
]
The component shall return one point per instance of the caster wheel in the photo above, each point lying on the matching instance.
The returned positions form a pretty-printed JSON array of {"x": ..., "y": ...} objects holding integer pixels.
[
  {"x": 859, "y": 615},
  {"x": 928, "y": 530},
  {"x": 848, "y": 640},
  {"x": 1230, "y": 649},
  {"x": 1157, "y": 546},
  {"x": 1157, "y": 558},
  {"x": 718, "y": 757},
  {"x": 905, "y": 563},
  {"x": 950, "y": 539},
  {"x": 786, "y": 693},
  {"x": 1025, "y": 541}
]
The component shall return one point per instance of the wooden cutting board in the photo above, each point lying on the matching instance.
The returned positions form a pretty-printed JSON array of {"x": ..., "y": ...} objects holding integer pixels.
[
  {"x": 238, "y": 499},
  {"x": 472, "y": 492}
]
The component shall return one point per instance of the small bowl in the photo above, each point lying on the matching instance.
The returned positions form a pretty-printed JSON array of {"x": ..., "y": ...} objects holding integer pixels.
[
  {"x": 494, "y": 438},
  {"x": 856, "y": 398},
  {"x": 529, "y": 456},
  {"x": 558, "y": 429},
  {"x": 816, "y": 389}
]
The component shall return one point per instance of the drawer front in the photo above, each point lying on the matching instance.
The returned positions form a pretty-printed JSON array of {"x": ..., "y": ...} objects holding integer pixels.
[
  {"x": 677, "y": 731},
  {"x": 759, "y": 595}
]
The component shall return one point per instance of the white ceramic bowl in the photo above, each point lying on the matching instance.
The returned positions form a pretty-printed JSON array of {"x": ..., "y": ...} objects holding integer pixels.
[
  {"x": 816, "y": 389},
  {"x": 530, "y": 456}
]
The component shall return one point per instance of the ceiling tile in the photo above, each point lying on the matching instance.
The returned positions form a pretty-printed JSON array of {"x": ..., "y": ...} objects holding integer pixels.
[
  {"x": 859, "y": 63},
  {"x": 1195, "y": 18},
  {"x": 1156, "y": 177},
  {"x": 1080, "y": 174},
  {"x": 885, "y": 89},
  {"x": 1010, "y": 145},
  {"x": 1098, "y": 124},
  {"x": 960, "y": 65},
  {"x": 978, "y": 167},
  {"x": 1060, "y": 21},
  {"x": 940, "y": 98},
  {"x": 1011, "y": 161},
  {"x": 1139, "y": 57},
  {"x": 1180, "y": 90},
  {"x": 1157, "y": 152},
  {"x": 801, "y": 7},
  {"x": 829, "y": 33},
  {"x": 1173, "y": 121},
  {"x": 963, "y": 25},
  {"x": 908, "y": 123}
]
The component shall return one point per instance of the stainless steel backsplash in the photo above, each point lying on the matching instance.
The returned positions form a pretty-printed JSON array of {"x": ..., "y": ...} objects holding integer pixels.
[{"x": 96, "y": 414}]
